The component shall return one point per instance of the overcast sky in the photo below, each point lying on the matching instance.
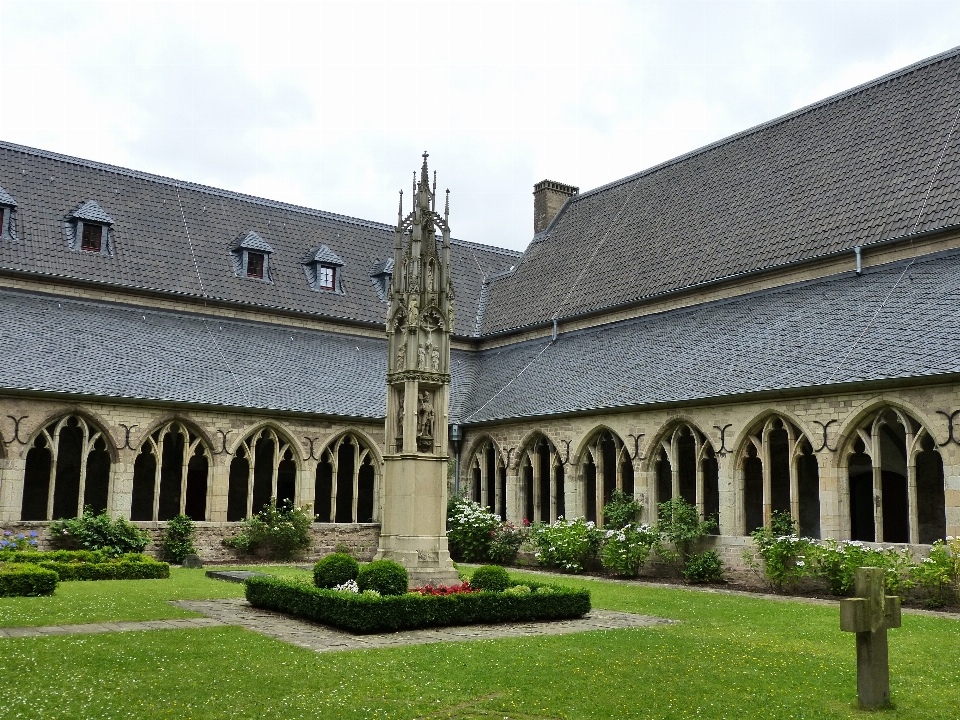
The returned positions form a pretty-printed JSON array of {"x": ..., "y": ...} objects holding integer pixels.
[{"x": 329, "y": 104}]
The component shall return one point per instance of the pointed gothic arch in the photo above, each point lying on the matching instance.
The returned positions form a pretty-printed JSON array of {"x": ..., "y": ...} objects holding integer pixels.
[
  {"x": 777, "y": 472},
  {"x": 171, "y": 474},
  {"x": 605, "y": 465},
  {"x": 894, "y": 489},
  {"x": 347, "y": 483},
  {"x": 265, "y": 465},
  {"x": 487, "y": 476},
  {"x": 542, "y": 480},
  {"x": 68, "y": 467},
  {"x": 681, "y": 462}
]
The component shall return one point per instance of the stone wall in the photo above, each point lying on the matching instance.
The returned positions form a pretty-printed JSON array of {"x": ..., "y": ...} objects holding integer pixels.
[{"x": 361, "y": 538}]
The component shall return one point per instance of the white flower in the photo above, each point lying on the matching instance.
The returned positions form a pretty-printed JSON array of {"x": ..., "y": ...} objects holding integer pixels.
[{"x": 348, "y": 586}]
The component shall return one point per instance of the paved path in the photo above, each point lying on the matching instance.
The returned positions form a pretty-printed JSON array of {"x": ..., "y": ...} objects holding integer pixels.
[{"x": 320, "y": 638}]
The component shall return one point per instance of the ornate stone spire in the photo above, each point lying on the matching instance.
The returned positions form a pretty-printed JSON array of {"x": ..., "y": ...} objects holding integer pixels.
[{"x": 420, "y": 319}]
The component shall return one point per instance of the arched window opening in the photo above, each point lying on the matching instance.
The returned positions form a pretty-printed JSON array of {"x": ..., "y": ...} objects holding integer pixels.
[
  {"x": 476, "y": 487},
  {"x": 542, "y": 486},
  {"x": 860, "y": 469},
  {"x": 664, "y": 477},
  {"x": 177, "y": 483},
  {"x": 36, "y": 481},
  {"x": 490, "y": 481},
  {"x": 238, "y": 486},
  {"x": 687, "y": 465},
  {"x": 590, "y": 488},
  {"x": 780, "y": 475},
  {"x": 287, "y": 479},
  {"x": 605, "y": 467},
  {"x": 752, "y": 489},
  {"x": 778, "y": 442},
  {"x": 485, "y": 478},
  {"x": 808, "y": 487},
  {"x": 931, "y": 500},
  {"x": 885, "y": 504},
  {"x": 264, "y": 452},
  {"x": 502, "y": 486},
  {"x": 626, "y": 472},
  {"x": 67, "y": 467},
  {"x": 711, "y": 487},
  {"x": 347, "y": 484},
  {"x": 323, "y": 490},
  {"x": 543, "y": 460},
  {"x": 526, "y": 473}
]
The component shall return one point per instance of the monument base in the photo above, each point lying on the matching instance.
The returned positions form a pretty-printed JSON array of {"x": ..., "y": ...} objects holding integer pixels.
[{"x": 413, "y": 529}]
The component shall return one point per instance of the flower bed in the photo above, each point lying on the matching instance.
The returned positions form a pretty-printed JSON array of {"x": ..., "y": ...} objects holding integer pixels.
[
  {"x": 91, "y": 564},
  {"x": 365, "y": 613}
]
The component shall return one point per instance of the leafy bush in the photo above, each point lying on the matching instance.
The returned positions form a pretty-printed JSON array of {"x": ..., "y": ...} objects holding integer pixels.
[
  {"x": 836, "y": 561},
  {"x": 362, "y": 613},
  {"x": 26, "y": 580},
  {"x": 490, "y": 577},
  {"x": 626, "y": 550},
  {"x": 18, "y": 541},
  {"x": 335, "y": 569},
  {"x": 680, "y": 525},
  {"x": 705, "y": 567},
  {"x": 176, "y": 541},
  {"x": 99, "y": 532},
  {"x": 282, "y": 532},
  {"x": 784, "y": 553},
  {"x": 384, "y": 576},
  {"x": 470, "y": 529},
  {"x": 939, "y": 574},
  {"x": 622, "y": 510},
  {"x": 566, "y": 544},
  {"x": 66, "y": 556},
  {"x": 505, "y": 542}
]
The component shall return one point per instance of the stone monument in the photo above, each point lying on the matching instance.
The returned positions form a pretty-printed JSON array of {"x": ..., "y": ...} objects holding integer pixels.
[
  {"x": 869, "y": 614},
  {"x": 419, "y": 323}
]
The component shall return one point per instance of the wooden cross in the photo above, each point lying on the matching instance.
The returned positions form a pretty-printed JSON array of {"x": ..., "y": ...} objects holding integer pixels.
[{"x": 869, "y": 614}]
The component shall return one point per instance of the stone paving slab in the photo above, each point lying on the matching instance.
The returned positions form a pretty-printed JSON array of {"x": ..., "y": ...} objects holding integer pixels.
[
  {"x": 92, "y": 628},
  {"x": 237, "y": 576},
  {"x": 320, "y": 638}
]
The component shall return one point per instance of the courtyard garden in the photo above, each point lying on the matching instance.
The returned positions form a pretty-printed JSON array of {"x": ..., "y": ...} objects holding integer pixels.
[{"x": 728, "y": 656}]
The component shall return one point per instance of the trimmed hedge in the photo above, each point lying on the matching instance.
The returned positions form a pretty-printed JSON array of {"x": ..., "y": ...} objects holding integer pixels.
[
  {"x": 24, "y": 580},
  {"x": 370, "y": 614},
  {"x": 92, "y": 565}
]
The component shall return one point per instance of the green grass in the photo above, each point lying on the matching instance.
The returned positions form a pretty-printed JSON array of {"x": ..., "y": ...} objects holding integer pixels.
[{"x": 730, "y": 657}]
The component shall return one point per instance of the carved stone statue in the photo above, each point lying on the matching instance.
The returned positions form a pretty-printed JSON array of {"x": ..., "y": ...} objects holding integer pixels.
[
  {"x": 421, "y": 358},
  {"x": 435, "y": 358},
  {"x": 450, "y": 316},
  {"x": 401, "y": 358},
  {"x": 414, "y": 312},
  {"x": 430, "y": 285},
  {"x": 400, "y": 424},
  {"x": 426, "y": 416}
]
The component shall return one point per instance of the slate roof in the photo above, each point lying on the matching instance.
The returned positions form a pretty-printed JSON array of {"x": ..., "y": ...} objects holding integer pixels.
[
  {"x": 92, "y": 212},
  {"x": 853, "y": 169},
  {"x": 5, "y": 198},
  {"x": 322, "y": 254},
  {"x": 251, "y": 241},
  {"x": 891, "y": 322},
  {"x": 155, "y": 245}
]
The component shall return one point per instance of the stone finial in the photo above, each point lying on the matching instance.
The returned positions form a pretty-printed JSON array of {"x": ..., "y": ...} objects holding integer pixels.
[{"x": 869, "y": 615}]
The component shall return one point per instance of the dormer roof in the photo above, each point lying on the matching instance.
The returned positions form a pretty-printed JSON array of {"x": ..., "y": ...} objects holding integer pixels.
[
  {"x": 382, "y": 267},
  {"x": 6, "y": 199},
  {"x": 91, "y": 212},
  {"x": 251, "y": 241},
  {"x": 322, "y": 254}
]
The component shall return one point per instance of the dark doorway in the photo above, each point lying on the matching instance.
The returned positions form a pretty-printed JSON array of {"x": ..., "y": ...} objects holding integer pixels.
[
  {"x": 195, "y": 503},
  {"x": 543, "y": 458},
  {"x": 144, "y": 479},
  {"x": 752, "y": 490},
  {"x": 96, "y": 487},
  {"x": 687, "y": 465},
  {"x": 528, "y": 492},
  {"x": 265, "y": 453},
  {"x": 893, "y": 464},
  {"x": 323, "y": 489},
  {"x": 808, "y": 488},
  {"x": 237, "y": 486},
  {"x": 664, "y": 478},
  {"x": 489, "y": 458},
  {"x": 860, "y": 475},
  {"x": 590, "y": 488},
  {"x": 365, "y": 492},
  {"x": 171, "y": 475},
  {"x": 931, "y": 501},
  {"x": 346, "y": 459},
  {"x": 778, "y": 442},
  {"x": 286, "y": 480},
  {"x": 66, "y": 488},
  {"x": 711, "y": 489},
  {"x": 36, "y": 481}
]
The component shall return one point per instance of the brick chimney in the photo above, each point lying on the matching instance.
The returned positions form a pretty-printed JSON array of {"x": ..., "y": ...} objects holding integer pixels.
[{"x": 548, "y": 198}]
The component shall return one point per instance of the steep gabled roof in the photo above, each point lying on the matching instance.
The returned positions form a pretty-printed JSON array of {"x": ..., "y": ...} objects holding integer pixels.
[
  {"x": 251, "y": 241},
  {"x": 5, "y": 198},
  {"x": 322, "y": 254},
  {"x": 853, "y": 169},
  {"x": 92, "y": 212},
  {"x": 168, "y": 232}
]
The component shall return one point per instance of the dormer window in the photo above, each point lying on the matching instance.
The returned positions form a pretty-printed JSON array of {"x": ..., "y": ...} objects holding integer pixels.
[
  {"x": 251, "y": 257},
  {"x": 92, "y": 237},
  {"x": 255, "y": 265},
  {"x": 322, "y": 268},
  {"x": 380, "y": 275},
  {"x": 7, "y": 205},
  {"x": 89, "y": 229}
]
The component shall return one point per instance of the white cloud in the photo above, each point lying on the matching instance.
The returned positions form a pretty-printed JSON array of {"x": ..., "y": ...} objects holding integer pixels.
[{"x": 329, "y": 104}]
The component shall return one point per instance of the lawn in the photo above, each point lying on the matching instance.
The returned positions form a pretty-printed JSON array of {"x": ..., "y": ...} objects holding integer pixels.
[{"x": 730, "y": 657}]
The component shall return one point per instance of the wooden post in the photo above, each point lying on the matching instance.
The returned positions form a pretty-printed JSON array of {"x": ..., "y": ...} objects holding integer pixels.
[{"x": 869, "y": 615}]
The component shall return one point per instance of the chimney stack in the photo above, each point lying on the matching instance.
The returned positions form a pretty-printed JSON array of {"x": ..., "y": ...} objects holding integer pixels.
[{"x": 548, "y": 197}]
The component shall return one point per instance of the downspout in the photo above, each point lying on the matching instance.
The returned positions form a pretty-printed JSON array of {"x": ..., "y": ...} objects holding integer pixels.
[
  {"x": 455, "y": 440},
  {"x": 856, "y": 250}
]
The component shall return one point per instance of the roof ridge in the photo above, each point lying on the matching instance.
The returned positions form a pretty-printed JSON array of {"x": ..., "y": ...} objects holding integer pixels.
[{"x": 775, "y": 121}]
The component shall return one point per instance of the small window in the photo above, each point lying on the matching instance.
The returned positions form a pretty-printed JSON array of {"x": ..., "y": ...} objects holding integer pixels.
[
  {"x": 325, "y": 277},
  {"x": 254, "y": 264},
  {"x": 92, "y": 237}
]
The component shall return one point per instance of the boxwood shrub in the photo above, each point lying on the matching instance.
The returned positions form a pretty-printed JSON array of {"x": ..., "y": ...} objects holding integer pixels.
[
  {"x": 20, "y": 580},
  {"x": 363, "y": 614},
  {"x": 385, "y": 576},
  {"x": 92, "y": 564},
  {"x": 335, "y": 569}
]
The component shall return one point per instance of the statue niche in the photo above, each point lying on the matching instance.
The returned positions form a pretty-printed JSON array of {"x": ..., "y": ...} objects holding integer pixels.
[{"x": 426, "y": 416}]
